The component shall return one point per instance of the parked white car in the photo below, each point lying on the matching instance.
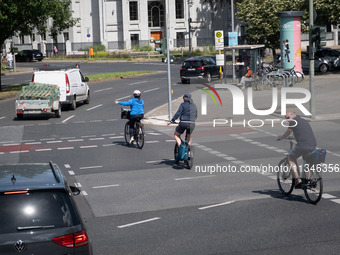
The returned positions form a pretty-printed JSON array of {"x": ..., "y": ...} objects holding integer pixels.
[{"x": 72, "y": 84}]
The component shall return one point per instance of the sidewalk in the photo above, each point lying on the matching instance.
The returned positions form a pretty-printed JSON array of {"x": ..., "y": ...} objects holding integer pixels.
[{"x": 327, "y": 104}]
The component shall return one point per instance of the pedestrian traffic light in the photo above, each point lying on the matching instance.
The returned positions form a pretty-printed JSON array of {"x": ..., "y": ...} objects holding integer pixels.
[{"x": 323, "y": 32}]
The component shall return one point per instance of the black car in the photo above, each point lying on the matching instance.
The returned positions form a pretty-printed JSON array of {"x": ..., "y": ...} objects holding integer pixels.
[
  {"x": 199, "y": 67},
  {"x": 38, "y": 213},
  {"x": 29, "y": 55},
  {"x": 332, "y": 56}
]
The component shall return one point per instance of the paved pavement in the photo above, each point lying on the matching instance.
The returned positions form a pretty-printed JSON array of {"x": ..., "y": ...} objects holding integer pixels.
[{"x": 326, "y": 97}]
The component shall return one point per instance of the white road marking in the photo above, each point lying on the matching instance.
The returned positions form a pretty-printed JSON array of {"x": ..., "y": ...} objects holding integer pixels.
[
  {"x": 216, "y": 205},
  {"x": 13, "y": 152},
  {"x": 33, "y": 143},
  {"x": 54, "y": 141},
  {"x": 2, "y": 117},
  {"x": 327, "y": 196},
  {"x": 88, "y": 136},
  {"x": 140, "y": 82},
  {"x": 108, "y": 134},
  {"x": 65, "y": 148},
  {"x": 336, "y": 201},
  {"x": 96, "y": 139},
  {"x": 47, "y": 139},
  {"x": 138, "y": 222},
  {"x": 76, "y": 140},
  {"x": 94, "y": 107},
  {"x": 109, "y": 144},
  {"x": 90, "y": 167},
  {"x": 44, "y": 149},
  {"x": 67, "y": 166},
  {"x": 100, "y": 90},
  {"x": 115, "y": 137},
  {"x": 152, "y": 142},
  {"x": 79, "y": 122},
  {"x": 11, "y": 144},
  {"x": 122, "y": 98},
  {"x": 68, "y": 118},
  {"x": 71, "y": 172},
  {"x": 88, "y": 146},
  {"x": 146, "y": 91},
  {"x": 83, "y": 192},
  {"x": 93, "y": 121},
  {"x": 192, "y": 178},
  {"x": 105, "y": 186}
]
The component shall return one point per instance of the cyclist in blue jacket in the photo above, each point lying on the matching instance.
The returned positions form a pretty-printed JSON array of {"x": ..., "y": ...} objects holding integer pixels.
[
  {"x": 137, "y": 111},
  {"x": 187, "y": 112}
]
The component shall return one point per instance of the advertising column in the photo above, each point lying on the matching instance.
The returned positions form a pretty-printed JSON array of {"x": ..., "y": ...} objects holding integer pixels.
[{"x": 290, "y": 39}]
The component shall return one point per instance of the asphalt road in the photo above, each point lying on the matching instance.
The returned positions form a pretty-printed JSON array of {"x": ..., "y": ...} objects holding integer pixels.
[{"x": 136, "y": 202}]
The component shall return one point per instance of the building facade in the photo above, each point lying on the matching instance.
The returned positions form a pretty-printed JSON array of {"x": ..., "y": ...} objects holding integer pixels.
[{"x": 125, "y": 24}]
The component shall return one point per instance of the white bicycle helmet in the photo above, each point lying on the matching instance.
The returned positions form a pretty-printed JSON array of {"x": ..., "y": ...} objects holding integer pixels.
[{"x": 137, "y": 93}]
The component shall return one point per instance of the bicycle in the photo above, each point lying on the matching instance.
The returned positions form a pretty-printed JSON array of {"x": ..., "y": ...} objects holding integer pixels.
[
  {"x": 312, "y": 183},
  {"x": 138, "y": 129},
  {"x": 186, "y": 153}
]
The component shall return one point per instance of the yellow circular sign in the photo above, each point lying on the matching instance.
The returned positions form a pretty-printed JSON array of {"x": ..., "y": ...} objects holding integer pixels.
[{"x": 218, "y": 34}]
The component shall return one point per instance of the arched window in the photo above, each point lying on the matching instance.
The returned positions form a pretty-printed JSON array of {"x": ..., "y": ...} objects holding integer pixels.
[{"x": 156, "y": 14}]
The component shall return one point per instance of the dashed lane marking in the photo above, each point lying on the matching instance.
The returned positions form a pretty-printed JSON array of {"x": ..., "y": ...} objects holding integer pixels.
[
  {"x": 94, "y": 107},
  {"x": 195, "y": 177},
  {"x": 89, "y": 167},
  {"x": 138, "y": 222},
  {"x": 68, "y": 118},
  {"x": 105, "y": 186},
  {"x": 216, "y": 205}
]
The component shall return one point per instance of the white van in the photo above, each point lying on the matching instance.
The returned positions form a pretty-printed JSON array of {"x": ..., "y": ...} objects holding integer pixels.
[{"x": 72, "y": 84}]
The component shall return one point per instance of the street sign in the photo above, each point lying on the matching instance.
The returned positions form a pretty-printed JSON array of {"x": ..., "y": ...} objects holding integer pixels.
[
  {"x": 219, "y": 40},
  {"x": 233, "y": 40},
  {"x": 88, "y": 35},
  {"x": 220, "y": 59}
]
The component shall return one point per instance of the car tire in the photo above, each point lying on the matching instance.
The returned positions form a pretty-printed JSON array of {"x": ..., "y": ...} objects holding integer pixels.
[
  {"x": 20, "y": 116},
  {"x": 73, "y": 105},
  {"x": 208, "y": 77},
  {"x": 58, "y": 112},
  {"x": 184, "y": 81},
  {"x": 27, "y": 59},
  {"x": 323, "y": 68},
  {"x": 87, "y": 100}
]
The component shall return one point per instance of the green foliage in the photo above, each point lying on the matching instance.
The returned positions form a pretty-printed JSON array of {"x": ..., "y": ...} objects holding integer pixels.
[
  {"x": 22, "y": 16},
  {"x": 99, "y": 47},
  {"x": 146, "y": 48},
  {"x": 3, "y": 67}
]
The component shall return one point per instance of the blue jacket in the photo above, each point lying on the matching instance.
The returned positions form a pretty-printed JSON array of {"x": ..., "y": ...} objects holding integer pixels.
[
  {"x": 137, "y": 106},
  {"x": 187, "y": 112}
]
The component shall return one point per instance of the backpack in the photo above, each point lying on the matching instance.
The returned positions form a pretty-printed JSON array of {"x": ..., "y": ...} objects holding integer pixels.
[{"x": 183, "y": 150}]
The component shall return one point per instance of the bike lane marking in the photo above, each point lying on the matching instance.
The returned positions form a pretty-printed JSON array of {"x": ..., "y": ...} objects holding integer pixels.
[{"x": 139, "y": 222}]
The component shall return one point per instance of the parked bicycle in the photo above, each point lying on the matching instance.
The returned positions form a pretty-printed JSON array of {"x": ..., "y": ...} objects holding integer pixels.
[
  {"x": 312, "y": 183},
  {"x": 138, "y": 130}
]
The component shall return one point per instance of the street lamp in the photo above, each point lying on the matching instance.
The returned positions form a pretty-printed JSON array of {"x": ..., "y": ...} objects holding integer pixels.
[{"x": 190, "y": 2}]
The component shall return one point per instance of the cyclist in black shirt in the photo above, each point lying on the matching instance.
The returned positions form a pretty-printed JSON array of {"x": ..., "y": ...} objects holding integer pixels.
[{"x": 304, "y": 137}]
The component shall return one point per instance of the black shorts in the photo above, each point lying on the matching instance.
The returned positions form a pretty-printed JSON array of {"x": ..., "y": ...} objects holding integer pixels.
[
  {"x": 188, "y": 126},
  {"x": 297, "y": 152}
]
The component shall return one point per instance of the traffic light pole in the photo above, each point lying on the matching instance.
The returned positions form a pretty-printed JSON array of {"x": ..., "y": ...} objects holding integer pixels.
[
  {"x": 168, "y": 61},
  {"x": 311, "y": 59}
]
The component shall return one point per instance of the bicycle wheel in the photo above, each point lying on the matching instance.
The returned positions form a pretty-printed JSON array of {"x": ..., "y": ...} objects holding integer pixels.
[
  {"x": 126, "y": 133},
  {"x": 285, "y": 178},
  {"x": 176, "y": 153},
  {"x": 313, "y": 189},
  {"x": 190, "y": 161},
  {"x": 139, "y": 136}
]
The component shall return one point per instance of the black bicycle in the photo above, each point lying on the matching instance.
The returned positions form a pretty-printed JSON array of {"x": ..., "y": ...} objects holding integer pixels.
[
  {"x": 312, "y": 183},
  {"x": 138, "y": 129}
]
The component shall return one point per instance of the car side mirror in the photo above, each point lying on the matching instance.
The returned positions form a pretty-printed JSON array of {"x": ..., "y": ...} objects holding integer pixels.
[
  {"x": 86, "y": 79},
  {"x": 75, "y": 190}
]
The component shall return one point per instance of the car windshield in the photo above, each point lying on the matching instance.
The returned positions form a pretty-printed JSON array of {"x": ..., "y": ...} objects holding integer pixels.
[
  {"x": 192, "y": 63},
  {"x": 36, "y": 210}
]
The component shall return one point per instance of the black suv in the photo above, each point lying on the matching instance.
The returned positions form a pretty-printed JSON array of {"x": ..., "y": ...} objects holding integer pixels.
[
  {"x": 38, "y": 213},
  {"x": 199, "y": 67},
  {"x": 29, "y": 55}
]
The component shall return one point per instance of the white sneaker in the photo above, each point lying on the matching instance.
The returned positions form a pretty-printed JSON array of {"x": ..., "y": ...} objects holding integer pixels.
[{"x": 132, "y": 139}]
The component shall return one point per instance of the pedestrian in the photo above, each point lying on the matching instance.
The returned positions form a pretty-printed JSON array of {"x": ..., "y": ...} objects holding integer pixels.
[
  {"x": 10, "y": 59},
  {"x": 247, "y": 77},
  {"x": 55, "y": 51},
  {"x": 286, "y": 48}
]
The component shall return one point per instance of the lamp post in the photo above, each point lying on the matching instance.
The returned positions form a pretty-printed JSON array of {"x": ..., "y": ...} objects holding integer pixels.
[{"x": 190, "y": 2}]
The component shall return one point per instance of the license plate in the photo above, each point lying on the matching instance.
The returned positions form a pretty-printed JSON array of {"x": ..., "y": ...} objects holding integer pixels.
[{"x": 191, "y": 69}]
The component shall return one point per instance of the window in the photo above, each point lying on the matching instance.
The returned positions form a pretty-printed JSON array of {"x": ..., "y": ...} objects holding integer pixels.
[
  {"x": 133, "y": 10},
  {"x": 179, "y": 9},
  {"x": 134, "y": 40},
  {"x": 66, "y": 36},
  {"x": 156, "y": 14},
  {"x": 180, "y": 36}
]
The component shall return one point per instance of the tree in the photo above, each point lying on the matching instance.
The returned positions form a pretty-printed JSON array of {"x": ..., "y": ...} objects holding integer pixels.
[{"x": 23, "y": 16}]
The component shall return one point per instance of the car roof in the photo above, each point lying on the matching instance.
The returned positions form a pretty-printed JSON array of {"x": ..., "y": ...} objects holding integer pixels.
[
  {"x": 30, "y": 177},
  {"x": 196, "y": 58},
  {"x": 57, "y": 68}
]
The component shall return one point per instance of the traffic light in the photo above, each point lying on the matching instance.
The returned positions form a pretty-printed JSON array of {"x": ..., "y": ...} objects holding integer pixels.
[
  {"x": 323, "y": 32},
  {"x": 161, "y": 45},
  {"x": 316, "y": 35}
]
